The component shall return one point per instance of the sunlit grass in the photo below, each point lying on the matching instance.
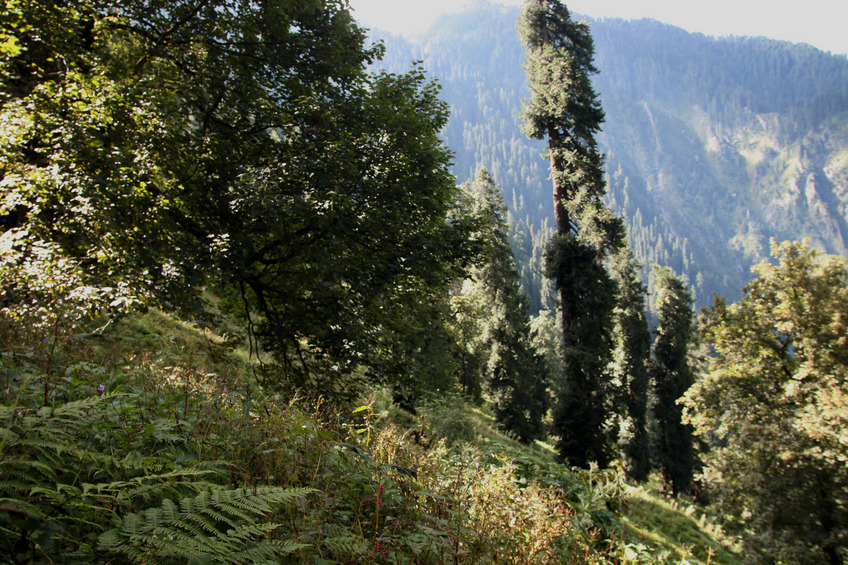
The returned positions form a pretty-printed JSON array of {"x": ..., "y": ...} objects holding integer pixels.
[{"x": 678, "y": 525}]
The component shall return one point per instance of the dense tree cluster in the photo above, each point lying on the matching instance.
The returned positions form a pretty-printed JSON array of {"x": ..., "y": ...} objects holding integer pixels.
[{"x": 699, "y": 133}]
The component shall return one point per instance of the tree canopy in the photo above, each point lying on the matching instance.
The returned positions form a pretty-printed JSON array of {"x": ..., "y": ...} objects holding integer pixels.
[
  {"x": 507, "y": 362},
  {"x": 630, "y": 366},
  {"x": 774, "y": 404},
  {"x": 161, "y": 148},
  {"x": 672, "y": 377}
]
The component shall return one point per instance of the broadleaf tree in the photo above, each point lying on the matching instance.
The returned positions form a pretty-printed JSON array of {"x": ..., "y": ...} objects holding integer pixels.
[
  {"x": 774, "y": 407},
  {"x": 160, "y": 148},
  {"x": 564, "y": 109}
]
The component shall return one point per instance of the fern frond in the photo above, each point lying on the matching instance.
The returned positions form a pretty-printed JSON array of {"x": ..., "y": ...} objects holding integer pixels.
[
  {"x": 29, "y": 472},
  {"x": 252, "y": 531},
  {"x": 77, "y": 410},
  {"x": 269, "y": 551},
  {"x": 109, "y": 539},
  {"x": 133, "y": 524},
  {"x": 221, "y": 517},
  {"x": 12, "y": 485},
  {"x": 147, "y": 484},
  {"x": 345, "y": 546},
  {"x": 21, "y": 505},
  {"x": 222, "y": 525}
]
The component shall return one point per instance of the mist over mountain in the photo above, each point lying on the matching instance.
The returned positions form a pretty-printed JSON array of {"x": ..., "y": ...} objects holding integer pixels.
[{"x": 714, "y": 145}]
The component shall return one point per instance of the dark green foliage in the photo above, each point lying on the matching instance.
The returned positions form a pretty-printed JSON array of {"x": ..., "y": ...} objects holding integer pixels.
[
  {"x": 698, "y": 136},
  {"x": 585, "y": 398},
  {"x": 237, "y": 147},
  {"x": 509, "y": 365},
  {"x": 630, "y": 366},
  {"x": 216, "y": 525},
  {"x": 564, "y": 109},
  {"x": 180, "y": 461},
  {"x": 67, "y": 473},
  {"x": 672, "y": 377}
]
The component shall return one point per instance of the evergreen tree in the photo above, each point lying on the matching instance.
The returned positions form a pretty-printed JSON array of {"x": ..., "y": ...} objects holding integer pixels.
[
  {"x": 514, "y": 372},
  {"x": 672, "y": 377},
  {"x": 564, "y": 108},
  {"x": 631, "y": 365}
]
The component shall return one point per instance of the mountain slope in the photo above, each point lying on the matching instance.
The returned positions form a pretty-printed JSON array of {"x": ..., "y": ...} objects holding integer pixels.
[{"x": 713, "y": 145}]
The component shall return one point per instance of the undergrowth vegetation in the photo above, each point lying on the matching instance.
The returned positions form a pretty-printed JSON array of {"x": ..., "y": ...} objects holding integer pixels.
[{"x": 150, "y": 442}]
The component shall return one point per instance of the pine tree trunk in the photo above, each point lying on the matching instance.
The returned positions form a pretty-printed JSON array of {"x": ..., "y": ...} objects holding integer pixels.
[{"x": 563, "y": 226}]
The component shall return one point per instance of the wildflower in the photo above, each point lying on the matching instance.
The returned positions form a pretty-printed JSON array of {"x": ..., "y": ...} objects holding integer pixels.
[
  {"x": 380, "y": 496},
  {"x": 101, "y": 389}
]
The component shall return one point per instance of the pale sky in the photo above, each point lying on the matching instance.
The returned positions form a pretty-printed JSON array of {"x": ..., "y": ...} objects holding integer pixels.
[{"x": 821, "y": 23}]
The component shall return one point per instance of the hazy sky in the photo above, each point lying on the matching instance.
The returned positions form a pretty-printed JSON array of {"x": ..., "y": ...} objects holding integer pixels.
[{"x": 822, "y": 23}]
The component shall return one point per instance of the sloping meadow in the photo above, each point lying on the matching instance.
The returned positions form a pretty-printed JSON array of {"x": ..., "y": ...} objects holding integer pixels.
[{"x": 149, "y": 442}]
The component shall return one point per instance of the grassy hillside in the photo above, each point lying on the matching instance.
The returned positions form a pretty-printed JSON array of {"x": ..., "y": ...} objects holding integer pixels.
[{"x": 149, "y": 441}]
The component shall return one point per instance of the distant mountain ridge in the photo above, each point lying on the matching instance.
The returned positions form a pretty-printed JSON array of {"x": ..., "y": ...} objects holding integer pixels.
[{"x": 713, "y": 145}]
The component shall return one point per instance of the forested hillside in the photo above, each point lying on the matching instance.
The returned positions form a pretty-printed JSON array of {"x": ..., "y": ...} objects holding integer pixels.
[
  {"x": 713, "y": 145},
  {"x": 248, "y": 314}
]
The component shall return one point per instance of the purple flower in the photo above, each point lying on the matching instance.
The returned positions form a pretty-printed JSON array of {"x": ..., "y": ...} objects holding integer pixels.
[
  {"x": 101, "y": 389},
  {"x": 45, "y": 340}
]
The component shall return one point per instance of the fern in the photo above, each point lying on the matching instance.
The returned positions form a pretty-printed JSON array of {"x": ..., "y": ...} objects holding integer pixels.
[
  {"x": 344, "y": 545},
  {"x": 52, "y": 475},
  {"x": 220, "y": 525}
]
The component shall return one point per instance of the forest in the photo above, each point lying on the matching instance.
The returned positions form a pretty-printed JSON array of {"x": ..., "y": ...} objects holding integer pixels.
[
  {"x": 256, "y": 308},
  {"x": 713, "y": 145}
]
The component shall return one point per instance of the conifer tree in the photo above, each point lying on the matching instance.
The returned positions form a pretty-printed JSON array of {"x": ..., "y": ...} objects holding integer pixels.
[
  {"x": 672, "y": 377},
  {"x": 515, "y": 373},
  {"x": 564, "y": 109},
  {"x": 631, "y": 365}
]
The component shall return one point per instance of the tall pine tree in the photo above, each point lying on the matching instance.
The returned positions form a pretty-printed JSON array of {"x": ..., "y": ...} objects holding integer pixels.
[
  {"x": 631, "y": 365},
  {"x": 672, "y": 377},
  {"x": 514, "y": 372},
  {"x": 564, "y": 109}
]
